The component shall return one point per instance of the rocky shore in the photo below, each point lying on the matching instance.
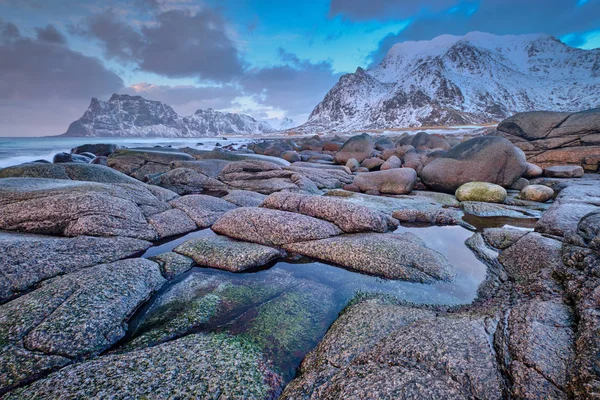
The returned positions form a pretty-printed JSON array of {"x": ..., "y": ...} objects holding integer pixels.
[{"x": 287, "y": 269}]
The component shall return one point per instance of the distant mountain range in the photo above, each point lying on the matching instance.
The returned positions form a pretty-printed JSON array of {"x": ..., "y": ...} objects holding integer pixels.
[
  {"x": 134, "y": 116},
  {"x": 451, "y": 80}
]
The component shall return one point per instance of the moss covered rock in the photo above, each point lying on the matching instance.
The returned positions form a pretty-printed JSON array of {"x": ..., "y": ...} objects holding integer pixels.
[{"x": 481, "y": 191}]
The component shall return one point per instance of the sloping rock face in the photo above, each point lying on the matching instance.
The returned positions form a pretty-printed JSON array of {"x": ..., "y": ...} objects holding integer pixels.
[
  {"x": 27, "y": 260},
  {"x": 73, "y": 316},
  {"x": 482, "y": 159},
  {"x": 142, "y": 163},
  {"x": 556, "y": 138}
]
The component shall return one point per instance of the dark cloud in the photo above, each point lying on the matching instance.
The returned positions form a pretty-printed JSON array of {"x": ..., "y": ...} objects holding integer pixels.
[
  {"x": 41, "y": 76},
  {"x": 432, "y": 18},
  {"x": 297, "y": 86},
  {"x": 176, "y": 44}
]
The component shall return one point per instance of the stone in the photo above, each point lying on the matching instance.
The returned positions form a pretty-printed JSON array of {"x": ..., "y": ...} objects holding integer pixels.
[
  {"x": 564, "y": 171},
  {"x": 539, "y": 193},
  {"x": 349, "y": 217},
  {"x": 359, "y": 147},
  {"x": 332, "y": 146},
  {"x": 290, "y": 156},
  {"x": 196, "y": 366},
  {"x": 71, "y": 171},
  {"x": 320, "y": 158},
  {"x": 589, "y": 229},
  {"x": 533, "y": 171},
  {"x": 425, "y": 141},
  {"x": 258, "y": 176},
  {"x": 210, "y": 168},
  {"x": 173, "y": 264},
  {"x": 519, "y": 184},
  {"x": 77, "y": 208},
  {"x": 171, "y": 223},
  {"x": 481, "y": 191},
  {"x": 392, "y": 256},
  {"x": 30, "y": 259},
  {"x": 556, "y": 138},
  {"x": 99, "y": 149},
  {"x": 272, "y": 227},
  {"x": 353, "y": 164},
  {"x": 223, "y": 253},
  {"x": 187, "y": 181},
  {"x": 245, "y": 198},
  {"x": 372, "y": 163},
  {"x": 482, "y": 209},
  {"x": 481, "y": 159},
  {"x": 393, "y": 181},
  {"x": 203, "y": 210},
  {"x": 391, "y": 163},
  {"x": 502, "y": 238},
  {"x": 77, "y": 315},
  {"x": 231, "y": 156},
  {"x": 141, "y": 163},
  {"x": 70, "y": 158}
]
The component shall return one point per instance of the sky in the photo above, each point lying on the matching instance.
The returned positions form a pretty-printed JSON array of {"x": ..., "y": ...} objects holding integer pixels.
[{"x": 265, "y": 58}]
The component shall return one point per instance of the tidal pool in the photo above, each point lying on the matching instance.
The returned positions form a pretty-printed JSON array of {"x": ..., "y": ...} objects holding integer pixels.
[{"x": 286, "y": 307}]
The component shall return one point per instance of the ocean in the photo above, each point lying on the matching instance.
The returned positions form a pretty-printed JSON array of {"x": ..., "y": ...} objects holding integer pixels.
[{"x": 15, "y": 150}]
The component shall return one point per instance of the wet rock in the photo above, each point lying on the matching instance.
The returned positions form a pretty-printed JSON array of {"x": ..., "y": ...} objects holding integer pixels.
[
  {"x": 187, "y": 181},
  {"x": 141, "y": 163},
  {"x": 30, "y": 259},
  {"x": 76, "y": 315},
  {"x": 481, "y": 191},
  {"x": 482, "y": 159},
  {"x": 272, "y": 227},
  {"x": 393, "y": 181},
  {"x": 351, "y": 218},
  {"x": 564, "y": 171},
  {"x": 203, "y": 210},
  {"x": 98, "y": 149},
  {"x": 171, "y": 222},
  {"x": 172, "y": 264},
  {"x": 589, "y": 228},
  {"x": 70, "y": 158},
  {"x": 384, "y": 144},
  {"x": 372, "y": 163},
  {"x": 392, "y": 256},
  {"x": 74, "y": 208},
  {"x": 224, "y": 253},
  {"x": 312, "y": 144},
  {"x": 245, "y": 198},
  {"x": 391, "y": 163},
  {"x": 359, "y": 147},
  {"x": 533, "y": 171},
  {"x": 502, "y": 238},
  {"x": 197, "y": 366},
  {"x": 481, "y": 209},
  {"x": 539, "y": 193},
  {"x": 553, "y": 138}
]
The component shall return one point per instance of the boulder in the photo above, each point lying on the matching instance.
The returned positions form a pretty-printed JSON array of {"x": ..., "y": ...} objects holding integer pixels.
[
  {"x": 393, "y": 256},
  {"x": 173, "y": 264},
  {"x": 187, "y": 181},
  {"x": 228, "y": 254},
  {"x": 564, "y": 171},
  {"x": 98, "y": 149},
  {"x": 384, "y": 144},
  {"x": 351, "y": 218},
  {"x": 556, "y": 138},
  {"x": 210, "y": 168},
  {"x": 196, "y": 366},
  {"x": 391, "y": 163},
  {"x": 203, "y": 210},
  {"x": 70, "y": 158},
  {"x": 372, "y": 163},
  {"x": 539, "y": 193},
  {"x": 141, "y": 163},
  {"x": 30, "y": 259},
  {"x": 481, "y": 159},
  {"x": 332, "y": 146},
  {"x": 290, "y": 156},
  {"x": 245, "y": 198},
  {"x": 72, "y": 171},
  {"x": 258, "y": 176},
  {"x": 353, "y": 164},
  {"x": 393, "y": 181},
  {"x": 272, "y": 227},
  {"x": 533, "y": 171},
  {"x": 481, "y": 191},
  {"x": 323, "y": 177},
  {"x": 171, "y": 223},
  {"x": 358, "y": 147},
  {"x": 425, "y": 141}
]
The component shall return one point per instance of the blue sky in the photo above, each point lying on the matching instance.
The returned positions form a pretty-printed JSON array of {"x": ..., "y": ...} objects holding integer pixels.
[{"x": 267, "y": 58}]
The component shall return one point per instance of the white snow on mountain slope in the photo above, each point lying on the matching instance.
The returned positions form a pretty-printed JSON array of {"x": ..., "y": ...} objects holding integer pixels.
[
  {"x": 452, "y": 80},
  {"x": 134, "y": 116},
  {"x": 281, "y": 124}
]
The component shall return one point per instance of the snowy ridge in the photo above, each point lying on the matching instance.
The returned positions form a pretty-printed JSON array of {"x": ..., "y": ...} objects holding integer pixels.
[
  {"x": 452, "y": 80},
  {"x": 134, "y": 116}
]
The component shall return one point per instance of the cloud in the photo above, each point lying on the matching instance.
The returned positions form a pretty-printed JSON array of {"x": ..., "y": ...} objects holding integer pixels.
[
  {"x": 42, "y": 81},
  {"x": 432, "y": 18},
  {"x": 177, "y": 43}
]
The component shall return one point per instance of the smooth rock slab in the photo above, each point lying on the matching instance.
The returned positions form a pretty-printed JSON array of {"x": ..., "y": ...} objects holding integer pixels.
[
  {"x": 245, "y": 198},
  {"x": 393, "y": 256},
  {"x": 72, "y": 316},
  {"x": 224, "y": 253},
  {"x": 203, "y": 210},
  {"x": 564, "y": 171},
  {"x": 27, "y": 259},
  {"x": 351, "y": 218},
  {"x": 207, "y": 366},
  {"x": 171, "y": 222},
  {"x": 173, "y": 264},
  {"x": 272, "y": 227}
]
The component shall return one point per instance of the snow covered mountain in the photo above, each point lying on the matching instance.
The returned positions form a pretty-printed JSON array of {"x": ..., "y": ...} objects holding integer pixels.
[
  {"x": 281, "y": 124},
  {"x": 124, "y": 115},
  {"x": 451, "y": 80}
]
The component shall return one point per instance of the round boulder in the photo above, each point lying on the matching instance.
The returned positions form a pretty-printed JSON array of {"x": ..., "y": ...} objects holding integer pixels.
[
  {"x": 481, "y": 191},
  {"x": 483, "y": 159},
  {"x": 539, "y": 193},
  {"x": 359, "y": 147},
  {"x": 391, "y": 163},
  {"x": 533, "y": 171},
  {"x": 290, "y": 156},
  {"x": 392, "y": 181}
]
